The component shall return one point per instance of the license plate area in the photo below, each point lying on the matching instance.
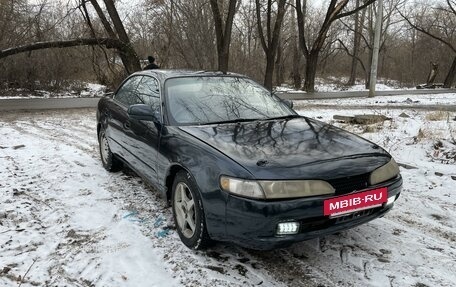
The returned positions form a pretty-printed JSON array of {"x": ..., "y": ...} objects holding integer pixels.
[{"x": 343, "y": 205}]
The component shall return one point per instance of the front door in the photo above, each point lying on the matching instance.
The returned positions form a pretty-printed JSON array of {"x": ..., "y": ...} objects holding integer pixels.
[{"x": 144, "y": 136}]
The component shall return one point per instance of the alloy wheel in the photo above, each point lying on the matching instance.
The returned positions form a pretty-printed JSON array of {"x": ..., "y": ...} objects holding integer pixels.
[{"x": 185, "y": 210}]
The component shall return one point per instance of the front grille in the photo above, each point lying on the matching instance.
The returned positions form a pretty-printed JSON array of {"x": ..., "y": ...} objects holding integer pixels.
[
  {"x": 322, "y": 222},
  {"x": 314, "y": 224},
  {"x": 349, "y": 184}
]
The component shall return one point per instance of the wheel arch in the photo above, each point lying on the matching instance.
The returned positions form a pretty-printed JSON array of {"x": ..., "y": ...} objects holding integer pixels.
[{"x": 170, "y": 176}]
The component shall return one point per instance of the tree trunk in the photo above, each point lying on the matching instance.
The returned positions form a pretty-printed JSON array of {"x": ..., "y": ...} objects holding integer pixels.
[
  {"x": 279, "y": 66},
  {"x": 269, "y": 71},
  {"x": 128, "y": 55},
  {"x": 356, "y": 43},
  {"x": 451, "y": 75},
  {"x": 368, "y": 68},
  {"x": 311, "y": 71},
  {"x": 297, "y": 81},
  {"x": 223, "y": 31},
  {"x": 270, "y": 42},
  {"x": 432, "y": 74},
  {"x": 223, "y": 59},
  {"x": 333, "y": 13}
]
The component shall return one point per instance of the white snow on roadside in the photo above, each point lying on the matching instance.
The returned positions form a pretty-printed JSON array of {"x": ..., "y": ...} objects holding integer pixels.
[
  {"x": 427, "y": 99},
  {"x": 81, "y": 90},
  {"x": 93, "y": 90},
  {"x": 72, "y": 223},
  {"x": 359, "y": 87},
  {"x": 333, "y": 84}
]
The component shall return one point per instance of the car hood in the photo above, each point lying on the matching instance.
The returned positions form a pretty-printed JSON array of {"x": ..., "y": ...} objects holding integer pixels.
[{"x": 298, "y": 148}]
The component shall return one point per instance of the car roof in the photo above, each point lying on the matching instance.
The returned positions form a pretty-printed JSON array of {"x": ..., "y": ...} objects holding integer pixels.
[{"x": 164, "y": 74}]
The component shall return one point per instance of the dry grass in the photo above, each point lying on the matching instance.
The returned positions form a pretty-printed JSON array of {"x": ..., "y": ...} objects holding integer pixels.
[{"x": 437, "y": 116}]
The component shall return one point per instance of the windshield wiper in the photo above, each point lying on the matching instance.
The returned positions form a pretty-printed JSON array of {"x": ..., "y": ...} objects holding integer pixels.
[
  {"x": 286, "y": 117},
  {"x": 240, "y": 120}
]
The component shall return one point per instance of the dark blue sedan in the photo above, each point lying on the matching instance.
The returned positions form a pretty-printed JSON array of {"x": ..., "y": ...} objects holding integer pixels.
[{"x": 238, "y": 164}]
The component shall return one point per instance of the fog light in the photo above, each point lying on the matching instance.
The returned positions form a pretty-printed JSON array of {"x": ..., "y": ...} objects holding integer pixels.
[
  {"x": 391, "y": 200},
  {"x": 286, "y": 228}
]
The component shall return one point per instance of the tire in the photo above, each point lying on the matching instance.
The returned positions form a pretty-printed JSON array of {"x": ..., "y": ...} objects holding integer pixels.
[
  {"x": 188, "y": 212},
  {"x": 109, "y": 161}
]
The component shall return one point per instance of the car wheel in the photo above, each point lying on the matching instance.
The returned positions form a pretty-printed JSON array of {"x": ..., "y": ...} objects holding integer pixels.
[
  {"x": 109, "y": 161},
  {"x": 188, "y": 212}
]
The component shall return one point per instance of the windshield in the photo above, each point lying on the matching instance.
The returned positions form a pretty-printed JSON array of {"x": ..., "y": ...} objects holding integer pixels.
[{"x": 206, "y": 100}]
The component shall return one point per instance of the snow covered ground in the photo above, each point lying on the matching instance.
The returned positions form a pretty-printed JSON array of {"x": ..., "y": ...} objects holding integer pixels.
[
  {"x": 64, "y": 220},
  {"x": 434, "y": 99},
  {"x": 337, "y": 84},
  {"x": 80, "y": 89}
]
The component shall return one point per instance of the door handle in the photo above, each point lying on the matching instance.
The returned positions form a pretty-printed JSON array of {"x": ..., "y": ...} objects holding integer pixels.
[{"x": 126, "y": 125}]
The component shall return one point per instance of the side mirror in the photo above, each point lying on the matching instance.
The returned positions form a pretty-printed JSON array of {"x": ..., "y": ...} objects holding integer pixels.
[
  {"x": 275, "y": 95},
  {"x": 289, "y": 103},
  {"x": 142, "y": 112},
  {"x": 108, "y": 94}
]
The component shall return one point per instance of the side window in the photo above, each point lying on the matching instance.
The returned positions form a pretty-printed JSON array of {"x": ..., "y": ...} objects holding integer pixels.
[
  {"x": 127, "y": 94},
  {"x": 149, "y": 93}
]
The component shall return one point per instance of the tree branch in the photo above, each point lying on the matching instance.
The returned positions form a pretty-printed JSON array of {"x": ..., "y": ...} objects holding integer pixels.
[
  {"x": 351, "y": 55},
  {"x": 107, "y": 42},
  {"x": 450, "y": 4},
  {"x": 422, "y": 30},
  {"x": 103, "y": 19},
  {"x": 342, "y": 15}
]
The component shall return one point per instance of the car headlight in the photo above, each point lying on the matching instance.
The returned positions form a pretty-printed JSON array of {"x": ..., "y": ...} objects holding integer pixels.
[
  {"x": 295, "y": 188},
  {"x": 246, "y": 188},
  {"x": 268, "y": 189},
  {"x": 385, "y": 172}
]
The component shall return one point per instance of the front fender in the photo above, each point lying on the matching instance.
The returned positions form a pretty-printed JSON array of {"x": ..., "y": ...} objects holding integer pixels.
[{"x": 206, "y": 165}]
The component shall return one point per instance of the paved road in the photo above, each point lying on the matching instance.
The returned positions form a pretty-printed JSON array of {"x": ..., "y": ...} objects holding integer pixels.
[
  {"x": 358, "y": 94},
  {"x": 47, "y": 104},
  {"x": 71, "y": 103}
]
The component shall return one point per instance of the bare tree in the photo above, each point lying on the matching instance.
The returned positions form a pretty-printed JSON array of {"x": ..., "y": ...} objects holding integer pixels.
[
  {"x": 359, "y": 20},
  {"x": 270, "y": 42},
  {"x": 105, "y": 42},
  {"x": 128, "y": 53},
  {"x": 311, "y": 52},
  {"x": 223, "y": 31},
  {"x": 118, "y": 39},
  {"x": 440, "y": 27}
]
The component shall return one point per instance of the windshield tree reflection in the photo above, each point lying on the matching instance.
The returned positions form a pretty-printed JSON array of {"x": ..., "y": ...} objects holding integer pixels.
[{"x": 206, "y": 100}]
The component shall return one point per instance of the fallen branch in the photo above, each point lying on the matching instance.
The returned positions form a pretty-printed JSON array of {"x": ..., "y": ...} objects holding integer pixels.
[
  {"x": 28, "y": 270},
  {"x": 107, "y": 42}
]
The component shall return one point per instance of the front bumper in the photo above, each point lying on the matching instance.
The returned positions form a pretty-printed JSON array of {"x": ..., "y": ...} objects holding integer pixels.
[{"x": 253, "y": 223}]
